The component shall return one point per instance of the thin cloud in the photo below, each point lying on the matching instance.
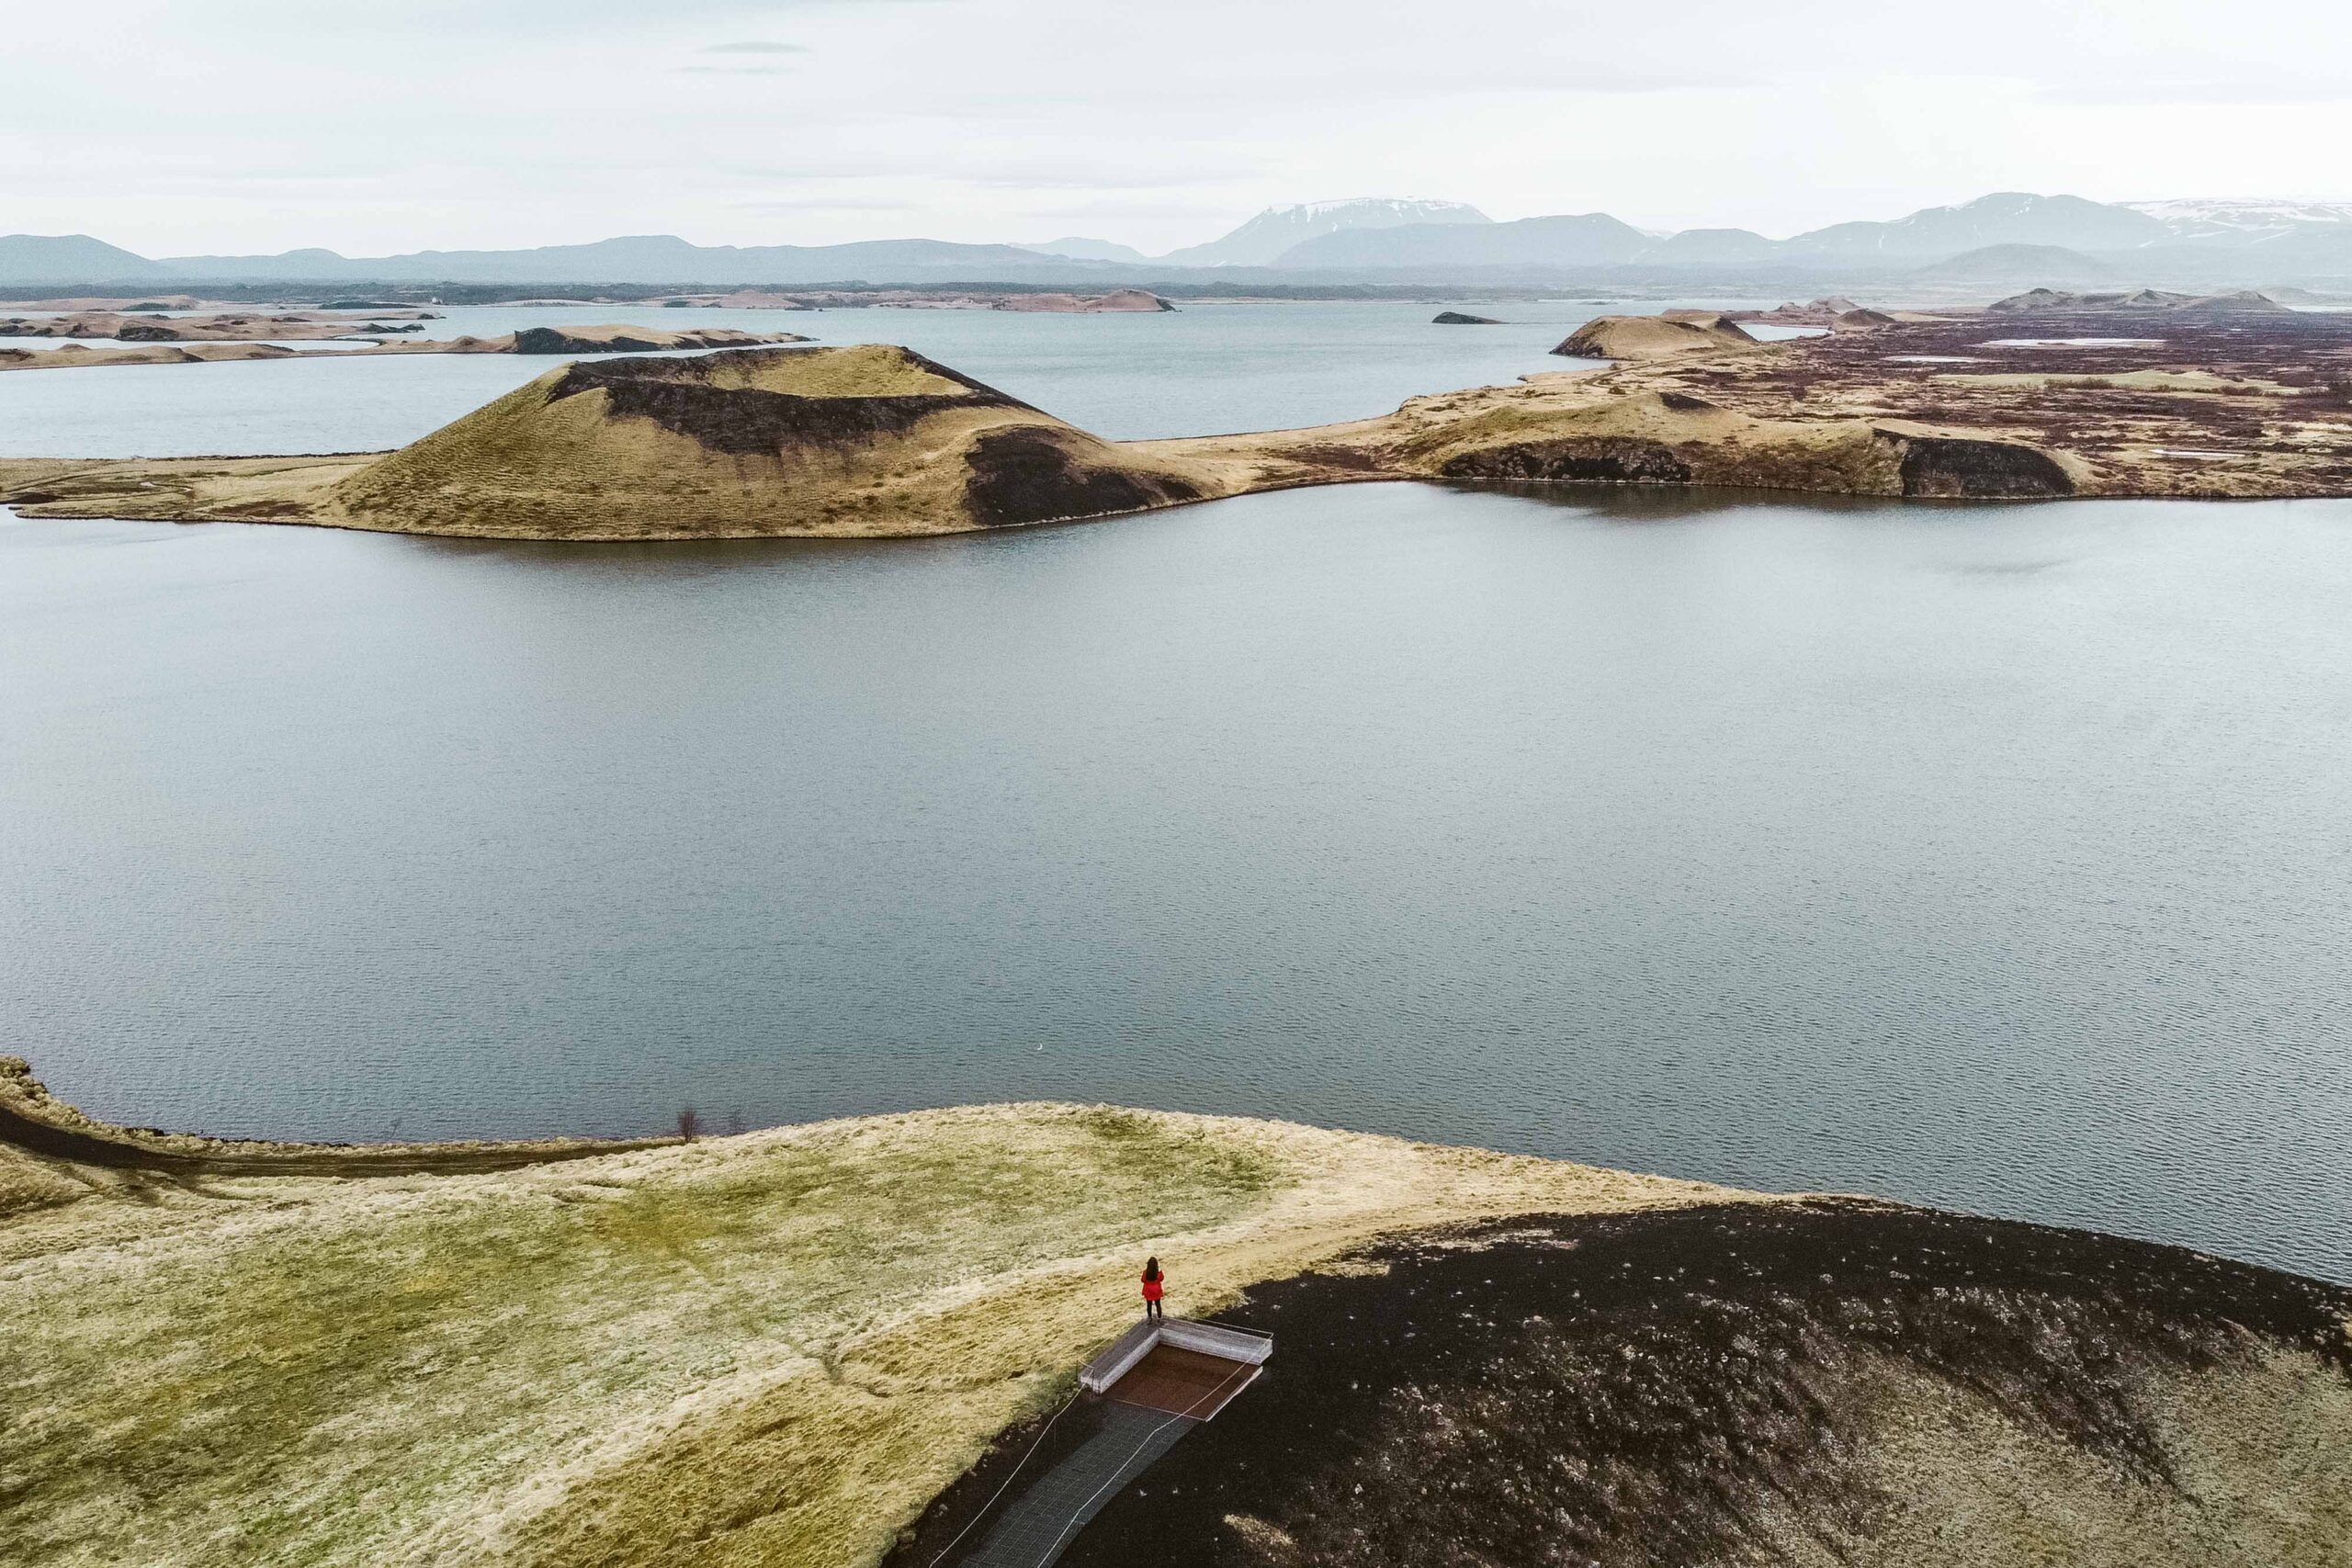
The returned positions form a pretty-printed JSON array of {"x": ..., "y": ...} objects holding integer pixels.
[
  {"x": 1171, "y": 119},
  {"x": 1011, "y": 169},
  {"x": 838, "y": 206},
  {"x": 2237, "y": 91},
  {"x": 1016, "y": 179}
]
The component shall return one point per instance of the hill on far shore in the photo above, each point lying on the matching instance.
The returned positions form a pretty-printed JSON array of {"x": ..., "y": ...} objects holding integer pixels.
[
  {"x": 865, "y": 439},
  {"x": 1366, "y": 241}
]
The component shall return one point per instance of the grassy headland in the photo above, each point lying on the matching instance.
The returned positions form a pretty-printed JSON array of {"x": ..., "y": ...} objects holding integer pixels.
[
  {"x": 825, "y": 1346},
  {"x": 771, "y": 1349}
]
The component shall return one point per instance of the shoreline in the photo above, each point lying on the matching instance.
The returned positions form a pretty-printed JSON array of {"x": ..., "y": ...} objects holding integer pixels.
[
  {"x": 821, "y": 1345},
  {"x": 619, "y": 1357},
  {"x": 35, "y": 1123},
  {"x": 71, "y": 355},
  {"x": 2249, "y": 405}
]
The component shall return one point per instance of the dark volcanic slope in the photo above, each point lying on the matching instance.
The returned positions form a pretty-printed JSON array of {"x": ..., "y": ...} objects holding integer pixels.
[
  {"x": 683, "y": 397},
  {"x": 1824, "y": 1383}
]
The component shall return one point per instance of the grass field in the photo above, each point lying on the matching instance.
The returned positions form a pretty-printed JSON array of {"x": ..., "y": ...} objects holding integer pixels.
[{"x": 771, "y": 1349}]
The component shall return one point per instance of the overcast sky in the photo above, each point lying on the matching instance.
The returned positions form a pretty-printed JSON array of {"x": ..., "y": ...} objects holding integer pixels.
[{"x": 260, "y": 125}]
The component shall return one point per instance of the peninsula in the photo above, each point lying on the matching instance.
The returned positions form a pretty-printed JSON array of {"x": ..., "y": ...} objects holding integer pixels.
[
  {"x": 234, "y": 339},
  {"x": 825, "y": 1346},
  {"x": 156, "y": 326},
  {"x": 2068, "y": 398}
]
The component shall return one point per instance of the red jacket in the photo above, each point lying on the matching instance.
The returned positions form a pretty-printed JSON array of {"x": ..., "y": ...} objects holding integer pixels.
[{"x": 1151, "y": 1288}]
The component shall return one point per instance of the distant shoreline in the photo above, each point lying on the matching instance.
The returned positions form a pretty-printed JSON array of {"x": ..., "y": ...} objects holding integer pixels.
[
  {"x": 2059, "y": 398},
  {"x": 851, "y": 294}
]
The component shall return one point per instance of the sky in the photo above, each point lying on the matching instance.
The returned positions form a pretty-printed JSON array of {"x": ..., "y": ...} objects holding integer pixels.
[{"x": 255, "y": 125}]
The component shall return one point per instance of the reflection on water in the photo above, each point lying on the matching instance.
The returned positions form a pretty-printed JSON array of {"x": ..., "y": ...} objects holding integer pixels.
[{"x": 1987, "y": 855}]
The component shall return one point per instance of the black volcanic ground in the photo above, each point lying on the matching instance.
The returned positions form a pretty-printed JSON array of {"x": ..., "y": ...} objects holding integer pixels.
[{"x": 1671, "y": 1389}]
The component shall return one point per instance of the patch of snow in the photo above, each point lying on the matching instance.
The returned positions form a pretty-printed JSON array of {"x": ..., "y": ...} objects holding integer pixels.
[
  {"x": 2241, "y": 217},
  {"x": 1403, "y": 209}
]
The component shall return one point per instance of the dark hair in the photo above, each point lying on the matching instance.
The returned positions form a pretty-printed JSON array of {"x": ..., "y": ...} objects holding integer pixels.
[{"x": 1151, "y": 1268}]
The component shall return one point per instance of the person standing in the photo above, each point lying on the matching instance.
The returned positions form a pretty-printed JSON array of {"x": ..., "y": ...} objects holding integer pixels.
[{"x": 1153, "y": 1289}]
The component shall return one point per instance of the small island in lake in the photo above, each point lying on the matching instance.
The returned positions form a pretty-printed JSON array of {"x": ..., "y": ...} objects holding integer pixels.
[{"x": 156, "y": 341}]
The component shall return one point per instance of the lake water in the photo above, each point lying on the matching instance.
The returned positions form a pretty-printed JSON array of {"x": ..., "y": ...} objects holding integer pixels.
[{"x": 1996, "y": 856}]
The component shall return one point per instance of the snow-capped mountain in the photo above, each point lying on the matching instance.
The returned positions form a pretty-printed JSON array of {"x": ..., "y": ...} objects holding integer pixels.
[
  {"x": 2242, "y": 220},
  {"x": 1276, "y": 230},
  {"x": 2005, "y": 218}
]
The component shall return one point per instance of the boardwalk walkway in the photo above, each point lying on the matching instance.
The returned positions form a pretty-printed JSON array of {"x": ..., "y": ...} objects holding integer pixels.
[{"x": 1141, "y": 1396}]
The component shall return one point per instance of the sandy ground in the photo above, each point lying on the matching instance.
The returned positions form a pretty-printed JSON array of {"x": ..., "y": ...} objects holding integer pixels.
[{"x": 772, "y": 1349}]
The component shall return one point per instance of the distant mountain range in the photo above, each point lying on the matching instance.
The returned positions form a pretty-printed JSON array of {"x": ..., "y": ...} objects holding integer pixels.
[
  {"x": 2243, "y": 222},
  {"x": 1078, "y": 248},
  {"x": 1998, "y": 239},
  {"x": 1274, "y": 233},
  {"x": 1585, "y": 240},
  {"x": 638, "y": 258}
]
